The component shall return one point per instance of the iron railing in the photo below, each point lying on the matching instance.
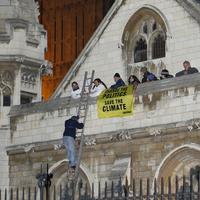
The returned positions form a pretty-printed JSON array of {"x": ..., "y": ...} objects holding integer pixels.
[{"x": 165, "y": 189}]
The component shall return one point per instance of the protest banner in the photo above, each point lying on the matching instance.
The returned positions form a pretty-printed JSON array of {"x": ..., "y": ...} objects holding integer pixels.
[{"x": 115, "y": 102}]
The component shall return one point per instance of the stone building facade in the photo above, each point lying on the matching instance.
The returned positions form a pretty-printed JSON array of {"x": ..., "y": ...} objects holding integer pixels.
[
  {"x": 161, "y": 139},
  {"x": 22, "y": 44}
]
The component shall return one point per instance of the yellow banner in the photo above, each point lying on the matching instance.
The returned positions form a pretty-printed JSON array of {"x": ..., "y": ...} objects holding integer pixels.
[{"x": 115, "y": 102}]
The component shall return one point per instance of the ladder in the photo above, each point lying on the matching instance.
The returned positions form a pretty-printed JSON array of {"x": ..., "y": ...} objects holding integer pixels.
[{"x": 82, "y": 112}]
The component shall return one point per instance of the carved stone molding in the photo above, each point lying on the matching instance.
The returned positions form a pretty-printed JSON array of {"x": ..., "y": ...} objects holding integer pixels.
[
  {"x": 46, "y": 68},
  {"x": 29, "y": 78},
  {"x": 19, "y": 59},
  {"x": 22, "y": 14},
  {"x": 90, "y": 141},
  {"x": 26, "y": 9},
  {"x": 58, "y": 146},
  {"x": 6, "y": 82},
  {"x": 194, "y": 125},
  {"x": 155, "y": 131},
  {"x": 121, "y": 135},
  {"x": 29, "y": 148}
]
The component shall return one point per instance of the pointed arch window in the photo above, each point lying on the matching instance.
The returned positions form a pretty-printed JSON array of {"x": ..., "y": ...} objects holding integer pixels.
[
  {"x": 144, "y": 37},
  {"x": 145, "y": 42},
  {"x": 151, "y": 44},
  {"x": 140, "y": 51}
]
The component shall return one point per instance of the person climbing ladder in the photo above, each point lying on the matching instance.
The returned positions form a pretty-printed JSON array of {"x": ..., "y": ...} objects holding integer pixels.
[
  {"x": 69, "y": 134},
  {"x": 69, "y": 137}
]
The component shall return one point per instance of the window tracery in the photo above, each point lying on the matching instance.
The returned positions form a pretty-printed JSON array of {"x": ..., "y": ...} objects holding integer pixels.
[
  {"x": 6, "y": 88},
  {"x": 144, "y": 41},
  {"x": 28, "y": 79},
  {"x": 149, "y": 46}
]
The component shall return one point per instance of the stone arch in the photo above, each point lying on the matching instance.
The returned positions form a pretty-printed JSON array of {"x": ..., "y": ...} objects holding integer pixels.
[
  {"x": 136, "y": 15},
  {"x": 133, "y": 28},
  {"x": 59, "y": 171},
  {"x": 178, "y": 163},
  {"x": 162, "y": 16}
]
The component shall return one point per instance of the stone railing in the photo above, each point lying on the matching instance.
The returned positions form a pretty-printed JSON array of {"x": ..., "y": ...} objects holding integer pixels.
[{"x": 180, "y": 85}]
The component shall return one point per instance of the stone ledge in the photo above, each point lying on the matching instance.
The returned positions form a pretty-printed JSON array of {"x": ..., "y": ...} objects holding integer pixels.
[
  {"x": 144, "y": 89},
  {"x": 21, "y": 59},
  {"x": 192, "y": 80},
  {"x": 190, "y": 126}
]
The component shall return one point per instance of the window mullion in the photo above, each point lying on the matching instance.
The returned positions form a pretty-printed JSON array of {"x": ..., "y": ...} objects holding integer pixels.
[{"x": 149, "y": 50}]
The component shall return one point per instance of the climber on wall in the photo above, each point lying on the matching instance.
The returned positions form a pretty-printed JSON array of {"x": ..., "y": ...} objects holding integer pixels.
[{"x": 69, "y": 137}]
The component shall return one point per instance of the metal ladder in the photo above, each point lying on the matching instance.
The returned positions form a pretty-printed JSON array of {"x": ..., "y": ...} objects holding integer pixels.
[{"x": 82, "y": 112}]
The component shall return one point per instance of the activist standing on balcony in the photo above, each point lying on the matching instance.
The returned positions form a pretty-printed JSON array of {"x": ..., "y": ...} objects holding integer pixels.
[
  {"x": 76, "y": 92},
  {"x": 69, "y": 137},
  {"x": 165, "y": 74},
  {"x": 147, "y": 76},
  {"x": 187, "y": 69},
  {"x": 118, "y": 81},
  {"x": 98, "y": 87},
  {"x": 133, "y": 80}
]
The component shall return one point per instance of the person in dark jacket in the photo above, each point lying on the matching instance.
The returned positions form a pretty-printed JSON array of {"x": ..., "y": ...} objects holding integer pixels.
[
  {"x": 147, "y": 76},
  {"x": 165, "y": 74},
  {"x": 69, "y": 137},
  {"x": 118, "y": 81},
  {"x": 187, "y": 69}
]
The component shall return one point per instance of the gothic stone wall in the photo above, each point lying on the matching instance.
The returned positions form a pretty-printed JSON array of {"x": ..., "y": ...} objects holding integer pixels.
[
  {"x": 146, "y": 152},
  {"x": 174, "y": 106},
  {"x": 166, "y": 115},
  {"x": 22, "y": 39},
  {"x": 157, "y": 103}
]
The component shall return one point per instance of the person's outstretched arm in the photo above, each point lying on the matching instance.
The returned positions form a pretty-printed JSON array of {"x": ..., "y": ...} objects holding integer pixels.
[{"x": 79, "y": 125}]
